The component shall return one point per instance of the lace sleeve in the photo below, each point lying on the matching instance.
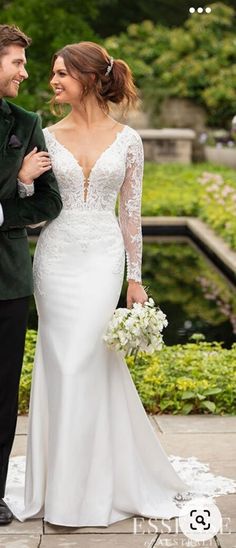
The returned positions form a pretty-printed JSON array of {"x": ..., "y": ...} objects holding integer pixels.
[
  {"x": 25, "y": 191},
  {"x": 130, "y": 208}
]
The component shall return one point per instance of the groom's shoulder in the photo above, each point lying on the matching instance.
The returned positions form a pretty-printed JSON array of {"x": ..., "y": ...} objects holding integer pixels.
[{"x": 21, "y": 114}]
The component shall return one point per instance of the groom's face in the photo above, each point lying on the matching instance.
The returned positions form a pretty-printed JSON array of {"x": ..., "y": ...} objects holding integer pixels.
[{"x": 12, "y": 70}]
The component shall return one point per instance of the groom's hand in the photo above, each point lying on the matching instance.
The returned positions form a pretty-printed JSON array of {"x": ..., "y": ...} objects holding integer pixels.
[{"x": 34, "y": 164}]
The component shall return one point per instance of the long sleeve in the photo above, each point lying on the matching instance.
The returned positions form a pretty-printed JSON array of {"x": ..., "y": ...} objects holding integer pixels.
[
  {"x": 130, "y": 208},
  {"x": 25, "y": 191}
]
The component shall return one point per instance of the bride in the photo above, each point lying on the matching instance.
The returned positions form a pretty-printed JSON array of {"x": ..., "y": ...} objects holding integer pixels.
[{"x": 92, "y": 457}]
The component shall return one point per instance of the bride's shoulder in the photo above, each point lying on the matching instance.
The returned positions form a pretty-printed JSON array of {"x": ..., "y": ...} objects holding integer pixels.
[
  {"x": 51, "y": 129},
  {"x": 133, "y": 135}
]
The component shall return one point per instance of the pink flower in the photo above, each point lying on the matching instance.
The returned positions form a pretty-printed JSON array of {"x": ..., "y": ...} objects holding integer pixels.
[{"x": 227, "y": 190}]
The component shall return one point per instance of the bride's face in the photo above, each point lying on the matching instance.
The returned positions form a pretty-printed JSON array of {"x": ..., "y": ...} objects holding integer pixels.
[{"x": 66, "y": 88}]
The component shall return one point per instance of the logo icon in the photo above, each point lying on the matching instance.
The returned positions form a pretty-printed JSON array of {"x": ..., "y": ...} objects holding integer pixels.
[{"x": 200, "y": 519}]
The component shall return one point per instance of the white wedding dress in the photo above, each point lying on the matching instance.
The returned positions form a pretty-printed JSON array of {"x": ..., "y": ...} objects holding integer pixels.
[{"x": 93, "y": 457}]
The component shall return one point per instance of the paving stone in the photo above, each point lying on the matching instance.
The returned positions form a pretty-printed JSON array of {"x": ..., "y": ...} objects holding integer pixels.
[
  {"x": 22, "y": 424},
  {"x": 28, "y": 527},
  {"x": 136, "y": 525},
  {"x": 19, "y": 446},
  {"x": 154, "y": 423},
  {"x": 19, "y": 541},
  {"x": 223, "y": 467},
  {"x": 195, "y": 423},
  {"x": 208, "y": 438},
  {"x": 157, "y": 526},
  {"x": 227, "y": 507},
  {"x": 227, "y": 541},
  {"x": 172, "y": 423},
  {"x": 124, "y": 526},
  {"x": 98, "y": 541},
  {"x": 202, "y": 446}
]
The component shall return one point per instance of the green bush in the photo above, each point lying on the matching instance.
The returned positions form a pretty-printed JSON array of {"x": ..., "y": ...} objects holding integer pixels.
[
  {"x": 199, "y": 190},
  {"x": 198, "y": 377},
  {"x": 194, "y": 61},
  {"x": 25, "y": 381}
]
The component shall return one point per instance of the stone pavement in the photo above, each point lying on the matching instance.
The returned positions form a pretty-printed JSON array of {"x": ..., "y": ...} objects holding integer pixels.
[{"x": 212, "y": 439}]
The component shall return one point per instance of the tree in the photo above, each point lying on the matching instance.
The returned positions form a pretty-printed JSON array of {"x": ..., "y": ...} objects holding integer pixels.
[
  {"x": 116, "y": 15},
  {"x": 196, "y": 61},
  {"x": 51, "y": 27}
]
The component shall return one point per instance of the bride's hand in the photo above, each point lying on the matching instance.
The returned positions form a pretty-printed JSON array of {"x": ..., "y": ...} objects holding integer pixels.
[
  {"x": 135, "y": 294},
  {"x": 34, "y": 164}
]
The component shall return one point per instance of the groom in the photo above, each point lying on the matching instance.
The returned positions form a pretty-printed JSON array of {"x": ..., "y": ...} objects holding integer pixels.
[{"x": 20, "y": 133}]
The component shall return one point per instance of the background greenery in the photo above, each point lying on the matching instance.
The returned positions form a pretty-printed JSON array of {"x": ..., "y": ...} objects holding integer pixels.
[
  {"x": 195, "y": 378},
  {"x": 193, "y": 59},
  {"x": 174, "y": 189},
  {"x": 115, "y": 15}
]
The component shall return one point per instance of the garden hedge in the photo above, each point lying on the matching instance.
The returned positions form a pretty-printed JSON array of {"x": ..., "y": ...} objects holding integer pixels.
[{"x": 198, "y": 377}]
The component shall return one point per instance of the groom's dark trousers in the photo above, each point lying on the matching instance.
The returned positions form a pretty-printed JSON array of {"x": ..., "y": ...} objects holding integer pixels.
[
  {"x": 13, "y": 322},
  {"x": 20, "y": 132}
]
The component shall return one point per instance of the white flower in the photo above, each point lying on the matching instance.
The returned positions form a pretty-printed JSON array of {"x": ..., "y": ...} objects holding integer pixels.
[{"x": 138, "y": 329}]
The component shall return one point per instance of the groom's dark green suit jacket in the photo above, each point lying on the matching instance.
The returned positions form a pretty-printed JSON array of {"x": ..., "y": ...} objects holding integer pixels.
[{"x": 20, "y": 132}]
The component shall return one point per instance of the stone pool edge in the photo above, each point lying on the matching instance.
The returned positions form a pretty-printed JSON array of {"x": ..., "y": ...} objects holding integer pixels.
[{"x": 213, "y": 245}]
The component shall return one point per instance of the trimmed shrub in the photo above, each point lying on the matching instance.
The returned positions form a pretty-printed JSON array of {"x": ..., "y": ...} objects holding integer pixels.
[{"x": 198, "y": 377}]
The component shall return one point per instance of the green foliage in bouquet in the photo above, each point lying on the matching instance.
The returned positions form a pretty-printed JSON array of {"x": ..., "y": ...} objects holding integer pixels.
[{"x": 198, "y": 377}]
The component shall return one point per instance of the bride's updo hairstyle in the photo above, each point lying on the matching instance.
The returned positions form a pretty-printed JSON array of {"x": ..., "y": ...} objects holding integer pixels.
[{"x": 109, "y": 80}]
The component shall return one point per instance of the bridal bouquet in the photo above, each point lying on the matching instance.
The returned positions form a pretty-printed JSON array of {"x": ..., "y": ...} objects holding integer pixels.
[{"x": 138, "y": 329}]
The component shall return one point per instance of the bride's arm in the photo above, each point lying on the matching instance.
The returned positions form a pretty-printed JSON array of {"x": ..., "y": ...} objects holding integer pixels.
[
  {"x": 25, "y": 191},
  {"x": 130, "y": 219}
]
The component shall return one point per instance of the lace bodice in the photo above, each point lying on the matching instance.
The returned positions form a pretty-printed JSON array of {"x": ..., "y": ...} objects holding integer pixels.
[{"x": 117, "y": 171}]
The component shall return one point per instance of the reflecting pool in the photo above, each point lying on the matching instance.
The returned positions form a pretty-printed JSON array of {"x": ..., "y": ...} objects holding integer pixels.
[{"x": 194, "y": 295}]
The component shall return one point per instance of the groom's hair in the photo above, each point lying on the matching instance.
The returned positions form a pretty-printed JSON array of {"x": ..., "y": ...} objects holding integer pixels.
[{"x": 10, "y": 35}]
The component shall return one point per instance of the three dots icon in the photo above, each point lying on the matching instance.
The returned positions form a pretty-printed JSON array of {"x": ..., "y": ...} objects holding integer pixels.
[{"x": 200, "y": 10}]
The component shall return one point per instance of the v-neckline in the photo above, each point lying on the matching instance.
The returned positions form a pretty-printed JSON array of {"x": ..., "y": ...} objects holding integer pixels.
[{"x": 87, "y": 179}]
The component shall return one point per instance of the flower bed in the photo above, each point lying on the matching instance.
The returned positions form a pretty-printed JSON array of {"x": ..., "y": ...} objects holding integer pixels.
[{"x": 198, "y": 377}]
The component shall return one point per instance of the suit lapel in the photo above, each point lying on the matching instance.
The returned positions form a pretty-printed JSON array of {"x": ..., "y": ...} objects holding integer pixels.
[{"x": 6, "y": 123}]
